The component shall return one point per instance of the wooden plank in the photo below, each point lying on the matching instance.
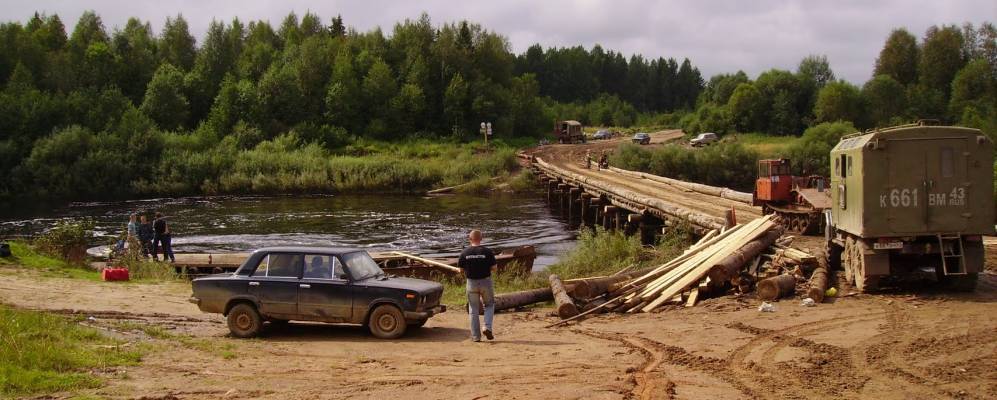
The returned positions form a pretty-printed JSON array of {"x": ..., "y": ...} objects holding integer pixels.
[{"x": 429, "y": 262}]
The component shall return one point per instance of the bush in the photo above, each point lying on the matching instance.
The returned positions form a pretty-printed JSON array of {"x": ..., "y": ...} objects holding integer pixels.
[
  {"x": 811, "y": 154},
  {"x": 67, "y": 240},
  {"x": 723, "y": 164}
]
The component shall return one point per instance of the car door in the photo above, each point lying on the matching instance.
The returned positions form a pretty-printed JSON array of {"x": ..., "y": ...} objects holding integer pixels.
[
  {"x": 325, "y": 293},
  {"x": 275, "y": 284}
]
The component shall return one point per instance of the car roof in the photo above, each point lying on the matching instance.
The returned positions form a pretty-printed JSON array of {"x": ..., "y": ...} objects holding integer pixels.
[{"x": 308, "y": 249}]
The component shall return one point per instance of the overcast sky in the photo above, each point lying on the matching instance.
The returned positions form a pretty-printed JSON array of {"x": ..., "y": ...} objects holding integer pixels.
[{"x": 718, "y": 36}]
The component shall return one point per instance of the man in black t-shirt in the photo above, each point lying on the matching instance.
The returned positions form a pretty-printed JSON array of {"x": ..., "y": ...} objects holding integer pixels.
[
  {"x": 162, "y": 236},
  {"x": 476, "y": 262}
]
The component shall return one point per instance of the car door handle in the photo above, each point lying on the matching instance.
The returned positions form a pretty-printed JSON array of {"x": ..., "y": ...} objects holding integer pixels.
[
  {"x": 305, "y": 286},
  {"x": 254, "y": 284}
]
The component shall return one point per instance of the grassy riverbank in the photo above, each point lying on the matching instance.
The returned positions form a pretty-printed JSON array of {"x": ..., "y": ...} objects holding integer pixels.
[{"x": 44, "y": 353}]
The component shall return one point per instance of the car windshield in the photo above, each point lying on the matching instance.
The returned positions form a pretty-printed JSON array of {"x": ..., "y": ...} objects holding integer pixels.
[{"x": 361, "y": 266}]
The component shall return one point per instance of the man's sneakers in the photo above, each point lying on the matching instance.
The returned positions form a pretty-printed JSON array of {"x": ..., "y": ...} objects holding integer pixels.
[{"x": 488, "y": 334}]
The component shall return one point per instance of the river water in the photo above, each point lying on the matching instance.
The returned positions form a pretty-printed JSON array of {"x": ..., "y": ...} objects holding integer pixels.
[{"x": 431, "y": 226}]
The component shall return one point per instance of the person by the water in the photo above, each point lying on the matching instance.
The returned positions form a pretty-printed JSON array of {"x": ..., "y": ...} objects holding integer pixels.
[
  {"x": 162, "y": 236},
  {"x": 132, "y": 228},
  {"x": 145, "y": 235},
  {"x": 476, "y": 263}
]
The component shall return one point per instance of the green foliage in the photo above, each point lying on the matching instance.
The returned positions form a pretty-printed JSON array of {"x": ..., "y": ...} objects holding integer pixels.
[
  {"x": 885, "y": 100},
  {"x": 164, "y": 100},
  {"x": 46, "y": 354},
  {"x": 67, "y": 239},
  {"x": 940, "y": 58},
  {"x": 746, "y": 107},
  {"x": 840, "y": 101},
  {"x": 816, "y": 69},
  {"x": 723, "y": 164},
  {"x": 24, "y": 255},
  {"x": 899, "y": 56},
  {"x": 598, "y": 253},
  {"x": 811, "y": 154},
  {"x": 708, "y": 118},
  {"x": 975, "y": 85}
]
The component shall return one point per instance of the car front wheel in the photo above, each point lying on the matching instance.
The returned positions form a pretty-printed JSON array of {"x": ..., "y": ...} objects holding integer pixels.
[
  {"x": 387, "y": 322},
  {"x": 244, "y": 321}
]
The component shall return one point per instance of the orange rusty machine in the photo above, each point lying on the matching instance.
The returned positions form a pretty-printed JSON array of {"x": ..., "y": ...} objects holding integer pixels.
[{"x": 798, "y": 201}]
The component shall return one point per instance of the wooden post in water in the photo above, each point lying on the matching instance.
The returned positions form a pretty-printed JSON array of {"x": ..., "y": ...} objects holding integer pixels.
[
  {"x": 595, "y": 212},
  {"x": 573, "y": 203},
  {"x": 607, "y": 217},
  {"x": 583, "y": 216},
  {"x": 633, "y": 224},
  {"x": 562, "y": 189},
  {"x": 649, "y": 225}
]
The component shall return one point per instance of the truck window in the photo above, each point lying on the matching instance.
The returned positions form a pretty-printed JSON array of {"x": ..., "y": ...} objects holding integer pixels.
[
  {"x": 763, "y": 170},
  {"x": 850, "y": 173},
  {"x": 947, "y": 162},
  {"x": 843, "y": 170}
]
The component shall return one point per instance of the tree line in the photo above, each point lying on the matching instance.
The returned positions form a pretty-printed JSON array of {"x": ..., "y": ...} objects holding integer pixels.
[
  {"x": 94, "y": 113},
  {"x": 950, "y": 75}
]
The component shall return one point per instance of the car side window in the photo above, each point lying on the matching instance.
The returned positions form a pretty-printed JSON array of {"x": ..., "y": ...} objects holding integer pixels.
[
  {"x": 285, "y": 265},
  {"x": 323, "y": 267},
  {"x": 261, "y": 268}
]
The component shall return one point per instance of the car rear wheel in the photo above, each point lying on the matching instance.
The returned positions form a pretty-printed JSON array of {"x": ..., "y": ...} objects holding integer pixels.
[
  {"x": 244, "y": 321},
  {"x": 387, "y": 322}
]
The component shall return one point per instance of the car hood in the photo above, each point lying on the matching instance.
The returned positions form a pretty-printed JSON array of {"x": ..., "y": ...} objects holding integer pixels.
[{"x": 418, "y": 285}]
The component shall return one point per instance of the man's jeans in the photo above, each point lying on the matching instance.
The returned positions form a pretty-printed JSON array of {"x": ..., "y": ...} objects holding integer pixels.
[
  {"x": 478, "y": 291},
  {"x": 167, "y": 247}
]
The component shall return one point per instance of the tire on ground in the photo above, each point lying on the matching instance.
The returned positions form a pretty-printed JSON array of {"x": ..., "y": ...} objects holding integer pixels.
[
  {"x": 244, "y": 321},
  {"x": 387, "y": 322}
]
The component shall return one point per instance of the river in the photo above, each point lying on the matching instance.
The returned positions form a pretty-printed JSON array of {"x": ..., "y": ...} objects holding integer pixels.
[{"x": 429, "y": 225}]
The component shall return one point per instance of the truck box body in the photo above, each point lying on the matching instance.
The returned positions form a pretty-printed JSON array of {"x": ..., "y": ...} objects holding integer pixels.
[{"x": 913, "y": 180}]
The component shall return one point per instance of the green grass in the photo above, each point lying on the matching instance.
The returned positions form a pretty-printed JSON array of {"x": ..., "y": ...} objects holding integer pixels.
[
  {"x": 23, "y": 255},
  {"x": 43, "y": 353},
  {"x": 767, "y": 146}
]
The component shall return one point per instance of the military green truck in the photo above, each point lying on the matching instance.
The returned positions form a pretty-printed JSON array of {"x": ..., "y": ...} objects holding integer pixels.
[{"x": 911, "y": 198}]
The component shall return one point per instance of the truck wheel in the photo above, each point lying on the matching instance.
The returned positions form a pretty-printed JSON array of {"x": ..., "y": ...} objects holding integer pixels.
[
  {"x": 960, "y": 283},
  {"x": 387, "y": 322},
  {"x": 244, "y": 321}
]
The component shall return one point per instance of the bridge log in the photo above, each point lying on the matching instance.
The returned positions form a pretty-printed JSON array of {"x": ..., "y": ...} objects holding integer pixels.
[{"x": 722, "y": 192}]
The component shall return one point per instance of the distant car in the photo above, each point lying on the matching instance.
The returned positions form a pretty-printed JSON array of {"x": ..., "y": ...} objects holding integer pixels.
[
  {"x": 642, "y": 138},
  {"x": 602, "y": 134},
  {"x": 704, "y": 139},
  {"x": 324, "y": 284}
]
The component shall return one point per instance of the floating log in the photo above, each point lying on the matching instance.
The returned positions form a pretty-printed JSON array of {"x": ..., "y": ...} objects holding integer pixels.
[
  {"x": 818, "y": 285},
  {"x": 776, "y": 287},
  {"x": 565, "y": 307},
  {"x": 428, "y": 261},
  {"x": 722, "y": 192},
  {"x": 728, "y": 268}
]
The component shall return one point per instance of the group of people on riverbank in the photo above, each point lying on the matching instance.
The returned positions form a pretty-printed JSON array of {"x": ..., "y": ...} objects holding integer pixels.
[{"x": 150, "y": 236}]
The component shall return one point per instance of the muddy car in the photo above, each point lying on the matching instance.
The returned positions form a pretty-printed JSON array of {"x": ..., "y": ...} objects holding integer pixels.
[
  {"x": 334, "y": 285},
  {"x": 642, "y": 138}
]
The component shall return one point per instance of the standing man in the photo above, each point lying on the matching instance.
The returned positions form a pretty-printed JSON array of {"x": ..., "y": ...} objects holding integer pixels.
[
  {"x": 162, "y": 235},
  {"x": 476, "y": 263},
  {"x": 145, "y": 235}
]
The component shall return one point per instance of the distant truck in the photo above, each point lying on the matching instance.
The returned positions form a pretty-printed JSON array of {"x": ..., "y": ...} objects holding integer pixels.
[
  {"x": 798, "y": 201},
  {"x": 569, "y": 132},
  {"x": 908, "y": 198}
]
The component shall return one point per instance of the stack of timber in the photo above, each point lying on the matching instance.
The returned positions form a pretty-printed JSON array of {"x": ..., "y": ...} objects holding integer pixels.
[{"x": 722, "y": 192}]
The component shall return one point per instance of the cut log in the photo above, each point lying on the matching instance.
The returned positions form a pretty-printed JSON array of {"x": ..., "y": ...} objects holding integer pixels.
[
  {"x": 776, "y": 287},
  {"x": 506, "y": 301},
  {"x": 722, "y": 192},
  {"x": 427, "y": 261},
  {"x": 565, "y": 307},
  {"x": 797, "y": 255},
  {"x": 728, "y": 268},
  {"x": 588, "y": 288},
  {"x": 818, "y": 284}
]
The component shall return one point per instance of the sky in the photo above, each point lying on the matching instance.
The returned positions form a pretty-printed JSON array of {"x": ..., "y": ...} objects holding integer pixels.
[{"x": 717, "y": 36}]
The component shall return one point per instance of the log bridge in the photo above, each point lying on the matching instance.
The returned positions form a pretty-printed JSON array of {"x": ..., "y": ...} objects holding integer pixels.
[{"x": 638, "y": 203}]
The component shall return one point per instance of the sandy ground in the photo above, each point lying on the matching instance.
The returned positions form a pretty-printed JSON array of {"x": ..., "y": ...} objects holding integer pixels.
[{"x": 908, "y": 343}]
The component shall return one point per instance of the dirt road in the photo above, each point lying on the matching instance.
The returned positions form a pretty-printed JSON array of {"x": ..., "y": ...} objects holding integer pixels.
[
  {"x": 572, "y": 158},
  {"x": 895, "y": 345}
]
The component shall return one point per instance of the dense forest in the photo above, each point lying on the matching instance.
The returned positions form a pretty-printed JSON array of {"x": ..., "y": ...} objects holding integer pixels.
[
  {"x": 315, "y": 106},
  {"x": 99, "y": 114}
]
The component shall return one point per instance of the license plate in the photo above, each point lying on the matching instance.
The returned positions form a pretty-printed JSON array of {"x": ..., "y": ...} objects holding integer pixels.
[{"x": 888, "y": 245}]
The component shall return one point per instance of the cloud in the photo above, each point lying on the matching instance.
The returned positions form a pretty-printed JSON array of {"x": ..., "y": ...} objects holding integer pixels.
[{"x": 717, "y": 36}]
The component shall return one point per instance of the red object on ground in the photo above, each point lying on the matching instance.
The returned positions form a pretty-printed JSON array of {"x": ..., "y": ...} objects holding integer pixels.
[{"x": 114, "y": 274}]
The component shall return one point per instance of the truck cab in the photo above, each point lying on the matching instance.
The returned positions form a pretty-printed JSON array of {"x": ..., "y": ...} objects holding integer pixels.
[{"x": 774, "y": 182}]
